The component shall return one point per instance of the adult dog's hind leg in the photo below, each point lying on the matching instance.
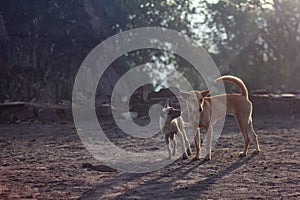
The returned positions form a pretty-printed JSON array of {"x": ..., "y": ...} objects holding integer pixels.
[
  {"x": 253, "y": 136},
  {"x": 242, "y": 120}
]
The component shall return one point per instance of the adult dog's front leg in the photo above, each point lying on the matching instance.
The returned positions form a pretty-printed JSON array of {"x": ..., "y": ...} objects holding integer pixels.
[
  {"x": 197, "y": 142},
  {"x": 188, "y": 149},
  {"x": 208, "y": 142},
  {"x": 183, "y": 147}
]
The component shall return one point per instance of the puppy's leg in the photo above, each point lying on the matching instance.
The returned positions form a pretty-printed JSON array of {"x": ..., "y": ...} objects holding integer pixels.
[
  {"x": 183, "y": 148},
  {"x": 197, "y": 142},
  {"x": 243, "y": 124},
  {"x": 168, "y": 146},
  {"x": 253, "y": 136},
  {"x": 174, "y": 141},
  {"x": 208, "y": 142}
]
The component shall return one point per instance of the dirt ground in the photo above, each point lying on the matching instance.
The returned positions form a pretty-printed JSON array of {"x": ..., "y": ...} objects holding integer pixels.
[{"x": 48, "y": 161}]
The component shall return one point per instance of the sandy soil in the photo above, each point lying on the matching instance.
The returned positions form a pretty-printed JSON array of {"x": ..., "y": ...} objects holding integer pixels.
[{"x": 48, "y": 161}]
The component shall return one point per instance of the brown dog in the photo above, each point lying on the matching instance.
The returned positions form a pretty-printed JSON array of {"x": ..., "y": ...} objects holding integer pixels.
[{"x": 200, "y": 113}]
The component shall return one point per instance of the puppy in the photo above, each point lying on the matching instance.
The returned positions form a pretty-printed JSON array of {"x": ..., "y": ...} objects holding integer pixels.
[
  {"x": 171, "y": 124},
  {"x": 199, "y": 105}
]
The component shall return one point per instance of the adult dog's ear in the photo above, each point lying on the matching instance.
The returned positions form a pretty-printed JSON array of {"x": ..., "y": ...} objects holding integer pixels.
[
  {"x": 184, "y": 95},
  {"x": 205, "y": 93},
  {"x": 167, "y": 104}
]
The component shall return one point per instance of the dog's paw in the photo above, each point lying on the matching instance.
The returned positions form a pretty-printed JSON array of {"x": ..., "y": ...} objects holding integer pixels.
[
  {"x": 185, "y": 156},
  {"x": 256, "y": 151},
  {"x": 242, "y": 154},
  {"x": 189, "y": 152},
  {"x": 196, "y": 158},
  {"x": 207, "y": 157}
]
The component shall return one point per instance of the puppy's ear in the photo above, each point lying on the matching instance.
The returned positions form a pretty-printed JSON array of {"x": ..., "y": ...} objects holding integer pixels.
[
  {"x": 205, "y": 93},
  {"x": 184, "y": 95},
  {"x": 167, "y": 104}
]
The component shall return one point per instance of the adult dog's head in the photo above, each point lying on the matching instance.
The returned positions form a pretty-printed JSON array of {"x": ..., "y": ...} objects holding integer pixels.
[{"x": 194, "y": 99}]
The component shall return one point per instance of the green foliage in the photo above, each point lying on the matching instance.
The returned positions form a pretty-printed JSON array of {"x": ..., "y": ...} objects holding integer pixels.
[
  {"x": 256, "y": 40},
  {"x": 42, "y": 43}
]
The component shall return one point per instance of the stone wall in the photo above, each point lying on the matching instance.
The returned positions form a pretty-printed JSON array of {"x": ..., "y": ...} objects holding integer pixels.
[{"x": 287, "y": 105}]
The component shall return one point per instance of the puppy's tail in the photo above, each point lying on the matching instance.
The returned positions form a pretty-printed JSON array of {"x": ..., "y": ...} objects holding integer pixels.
[{"x": 237, "y": 81}]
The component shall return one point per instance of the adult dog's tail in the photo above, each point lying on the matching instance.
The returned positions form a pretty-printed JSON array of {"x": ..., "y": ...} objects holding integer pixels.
[{"x": 237, "y": 81}]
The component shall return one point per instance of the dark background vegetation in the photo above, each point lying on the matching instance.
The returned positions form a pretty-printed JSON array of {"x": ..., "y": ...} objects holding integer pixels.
[{"x": 43, "y": 43}]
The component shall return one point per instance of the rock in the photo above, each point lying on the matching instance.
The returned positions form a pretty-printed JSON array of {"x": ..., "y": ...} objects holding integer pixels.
[
  {"x": 47, "y": 114},
  {"x": 16, "y": 111},
  {"x": 295, "y": 105},
  {"x": 279, "y": 106},
  {"x": 257, "y": 92},
  {"x": 103, "y": 110},
  {"x": 26, "y": 113},
  {"x": 288, "y": 95},
  {"x": 260, "y": 104}
]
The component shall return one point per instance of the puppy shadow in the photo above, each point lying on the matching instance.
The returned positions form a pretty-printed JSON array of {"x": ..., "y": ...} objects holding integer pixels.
[
  {"x": 108, "y": 186},
  {"x": 123, "y": 178}
]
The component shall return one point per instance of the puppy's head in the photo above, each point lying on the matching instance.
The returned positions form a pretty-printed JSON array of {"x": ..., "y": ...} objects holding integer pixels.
[
  {"x": 194, "y": 99},
  {"x": 168, "y": 113}
]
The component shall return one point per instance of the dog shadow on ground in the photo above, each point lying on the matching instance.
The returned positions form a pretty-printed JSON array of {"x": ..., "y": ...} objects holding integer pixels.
[{"x": 162, "y": 182}]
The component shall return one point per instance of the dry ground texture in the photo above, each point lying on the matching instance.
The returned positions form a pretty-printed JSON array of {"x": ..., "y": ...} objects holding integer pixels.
[{"x": 48, "y": 161}]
